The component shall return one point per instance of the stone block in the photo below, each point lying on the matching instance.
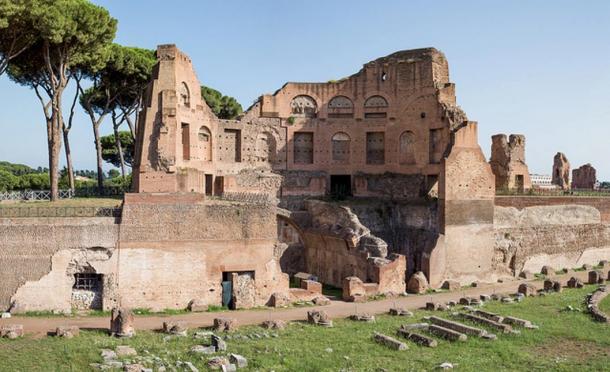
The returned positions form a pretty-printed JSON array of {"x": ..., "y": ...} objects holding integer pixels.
[
  {"x": 238, "y": 360},
  {"x": 451, "y": 285},
  {"x": 418, "y": 338},
  {"x": 11, "y": 331},
  {"x": 456, "y": 326},
  {"x": 321, "y": 301},
  {"x": 279, "y": 299},
  {"x": 604, "y": 264},
  {"x": 491, "y": 316},
  {"x": 134, "y": 368},
  {"x": 527, "y": 289},
  {"x": 197, "y": 306},
  {"x": 124, "y": 350},
  {"x": 274, "y": 324},
  {"x": 518, "y": 322},
  {"x": 312, "y": 286},
  {"x": 548, "y": 270},
  {"x": 418, "y": 283},
  {"x": 596, "y": 277},
  {"x": 587, "y": 267},
  {"x": 390, "y": 342},
  {"x": 397, "y": 311},
  {"x": 446, "y": 333},
  {"x": 217, "y": 362},
  {"x": 353, "y": 289},
  {"x": 504, "y": 328},
  {"x": 122, "y": 322},
  {"x": 67, "y": 331},
  {"x": 526, "y": 274},
  {"x": 175, "y": 327},
  {"x": 228, "y": 367},
  {"x": 575, "y": 283},
  {"x": 201, "y": 349},
  {"x": 225, "y": 324},
  {"x": 298, "y": 277},
  {"x": 218, "y": 343},
  {"x": 363, "y": 318},
  {"x": 319, "y": 317}
]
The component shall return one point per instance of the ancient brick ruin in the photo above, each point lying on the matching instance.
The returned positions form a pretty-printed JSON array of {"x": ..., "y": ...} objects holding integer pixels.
[
  {"x": 584, "y": 178},
  {"x": 561, "y": 171},
  {"x": 360, "y": 183}
]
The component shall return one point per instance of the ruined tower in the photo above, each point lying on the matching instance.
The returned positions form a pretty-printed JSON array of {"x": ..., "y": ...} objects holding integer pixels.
[
  {"x": 584, "y": 178},
  {"x": 508, "y": 162},
  {"x": 561, "y": 171}
]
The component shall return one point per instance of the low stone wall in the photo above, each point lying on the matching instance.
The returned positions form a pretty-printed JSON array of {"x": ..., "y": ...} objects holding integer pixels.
[
  {"x": 562, "y": 236},
  {"x": 602, "y": 204}
]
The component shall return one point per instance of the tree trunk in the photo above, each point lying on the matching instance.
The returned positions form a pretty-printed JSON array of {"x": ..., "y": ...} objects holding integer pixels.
[
  {"x": 98, "y": 151},
  {"x": 65, "y": 132},
  {"x": 117, "y": 142},
  {"x": 54, "y": 146}
]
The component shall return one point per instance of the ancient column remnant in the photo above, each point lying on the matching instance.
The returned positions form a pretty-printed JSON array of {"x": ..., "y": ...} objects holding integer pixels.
[
  {"x": 561, "y": 171},
  {"x": 121, "y": 322},
  {"x": 390, "y": 342},
  {"x": 508, "y": 162},
  {"x": 584, "y": 178}
]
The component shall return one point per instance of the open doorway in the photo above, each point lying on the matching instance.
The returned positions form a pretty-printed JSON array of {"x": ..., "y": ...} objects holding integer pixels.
[
  {"x": 209, "y": 185},
  {"x": 340, "y": 186},
  {"x": 238, "y": 289}
]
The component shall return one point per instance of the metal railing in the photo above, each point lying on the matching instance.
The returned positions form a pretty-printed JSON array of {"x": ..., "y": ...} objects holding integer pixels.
[
  {"x": 37, "y": 212},
  {"x": 554, "y": 192}
]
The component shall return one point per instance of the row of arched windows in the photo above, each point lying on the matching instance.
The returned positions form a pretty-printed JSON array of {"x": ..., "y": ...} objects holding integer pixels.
[{"x": 338, "y": 107}]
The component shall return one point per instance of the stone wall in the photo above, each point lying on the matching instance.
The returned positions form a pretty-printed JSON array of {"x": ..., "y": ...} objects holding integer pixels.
[
  {"x": 562, "y": 236},
  {"x": 602, "y": 204}
]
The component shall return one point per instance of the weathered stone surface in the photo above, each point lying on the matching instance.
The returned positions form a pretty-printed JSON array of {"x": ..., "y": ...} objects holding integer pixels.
[
  {"x": 397, "y": 311},
  {"x": 446, "y": 333},
  {"x": 108, "y": 354},
  {"x": 527, "y": 289},
  {"x": 67, "y": 331},
  {"x": 418, "y": 283},
  {"x": 451, "y": 285},
  {"x": 274, "y": 324},
  {"x": 134, "y": 368},
  {"x": 418, "y": 338},
  {"x": 593, "y": 302},
  {"x": 217, "y": 362},
  {"x": 596, "y": 277},
  {"x": 413, "y": 326},
  {"x": 456, "y": 326},
  {"x": 504, "y": 328},
  {"x": 319, "y": 317},
  {"x": 121, "y": 322},
  {"x": 518, "y": 322},
  {"x": 321, "y": 301},
  {"x": 491, "y": 316},
  {"x": 552, "y": 285},
  {"x": 561, "y": 171},
  {"x": 124, "y": 350},
  {"x": 228, "y": 367},
  {"x": 218, "y": 343},
  {"x": 225, "y": 324},
  {"x": 584, "y": 178},
  {"x": 175, "y": 327},
  {"x": 548, "y": 270},
  {"x": 353, "y": 289},
  {"x": 279, "y": 299},
  {"x": 238, "y": 360},
  {"x": 11, "y": 331},
  {"x": 363, "y": 318},
  {"x": 201, "y": 349},
  {"x": 526, "y": 274},
  {"x": 575, "y": 283},
  {"x": 390, "y": 342},
  {"x": 197, "y": 305},
  {"x": 508, "y": 162}
]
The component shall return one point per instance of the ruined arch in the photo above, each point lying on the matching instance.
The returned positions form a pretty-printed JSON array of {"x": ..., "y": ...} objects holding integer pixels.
[
  {"x": 304, "y": 106},
  {"x": 205, "y": 139},
  {"x": 407, "y": 148},
  {"x": 340, "y": 107},
  {"x": 341, "y": 148},
  {"x": 290, "y": 249},
  {"x": 185, "y": 95}
]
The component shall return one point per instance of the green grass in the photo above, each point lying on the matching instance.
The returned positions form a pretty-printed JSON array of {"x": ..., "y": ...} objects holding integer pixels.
[
  {"x": 605, "y": 305},
  {"x": 329, "y": 290},
  {"x": 566, "y": 341},
  {"x": 109, "y": 202}
]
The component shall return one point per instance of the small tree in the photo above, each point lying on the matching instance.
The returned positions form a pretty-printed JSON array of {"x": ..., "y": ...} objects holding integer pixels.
[
  {"x": 111, "y": 153},
  {"x": 70, "y": 32},
  {"x": 224, "y": 107}
]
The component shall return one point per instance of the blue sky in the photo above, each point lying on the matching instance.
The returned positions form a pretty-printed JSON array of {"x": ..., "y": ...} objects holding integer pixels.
[{"x": 539, "y": 68}]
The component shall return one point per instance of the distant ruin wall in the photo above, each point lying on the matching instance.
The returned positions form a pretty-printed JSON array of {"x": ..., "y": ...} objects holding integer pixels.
[
  {"x": 602, "y": 204},
  {"x": 563, "y": 236}
]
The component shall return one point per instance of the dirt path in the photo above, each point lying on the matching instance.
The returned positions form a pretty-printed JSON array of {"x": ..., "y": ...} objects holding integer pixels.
[{"x": 337, "y": 309}]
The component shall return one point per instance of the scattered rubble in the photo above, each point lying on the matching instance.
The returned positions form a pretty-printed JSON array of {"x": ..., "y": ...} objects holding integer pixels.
[
  {"x": 390, "y": 342},
  {"x": 224, "y": 324},
  {"x": 11, "y": 331},
  {"x": 67, "y": 331}
]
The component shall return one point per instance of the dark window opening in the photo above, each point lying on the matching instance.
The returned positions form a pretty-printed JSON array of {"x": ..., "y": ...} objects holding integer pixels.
[
  {"x": 375, "y": 115},
  {"x": 87, "y": 281},
  {"x": 209, "y": 184},
  {"x": 340, "y": 186}
]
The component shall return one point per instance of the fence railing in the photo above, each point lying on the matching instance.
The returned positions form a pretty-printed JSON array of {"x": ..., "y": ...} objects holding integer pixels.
[
  {"x": 81, "y": 192},
  {"x": 554, "y": 192},
  {"x": 33, "y": 212}
]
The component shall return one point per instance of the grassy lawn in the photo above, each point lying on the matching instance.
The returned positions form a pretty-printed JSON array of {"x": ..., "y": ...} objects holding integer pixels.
[
  {"x": 605, "y": 305},
  {"x": 75, "y": 202},
  {"x": 566, "y": 341}
]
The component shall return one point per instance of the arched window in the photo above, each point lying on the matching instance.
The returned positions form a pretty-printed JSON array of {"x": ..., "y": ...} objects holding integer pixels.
[
  {"x": 376, "y": 107},
  {"x": 340, "y": 107},
  {"x": 304, "y": 106},
  {"x": 407, "y": 148},
  {"x": 185, "y": 95},
  {"x": 340, "y": 145},
  {"x": 205, "y": 139}
]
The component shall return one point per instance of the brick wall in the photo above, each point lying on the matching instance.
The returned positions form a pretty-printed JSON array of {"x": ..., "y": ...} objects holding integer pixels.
[{"x": 601, "y": 203}]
